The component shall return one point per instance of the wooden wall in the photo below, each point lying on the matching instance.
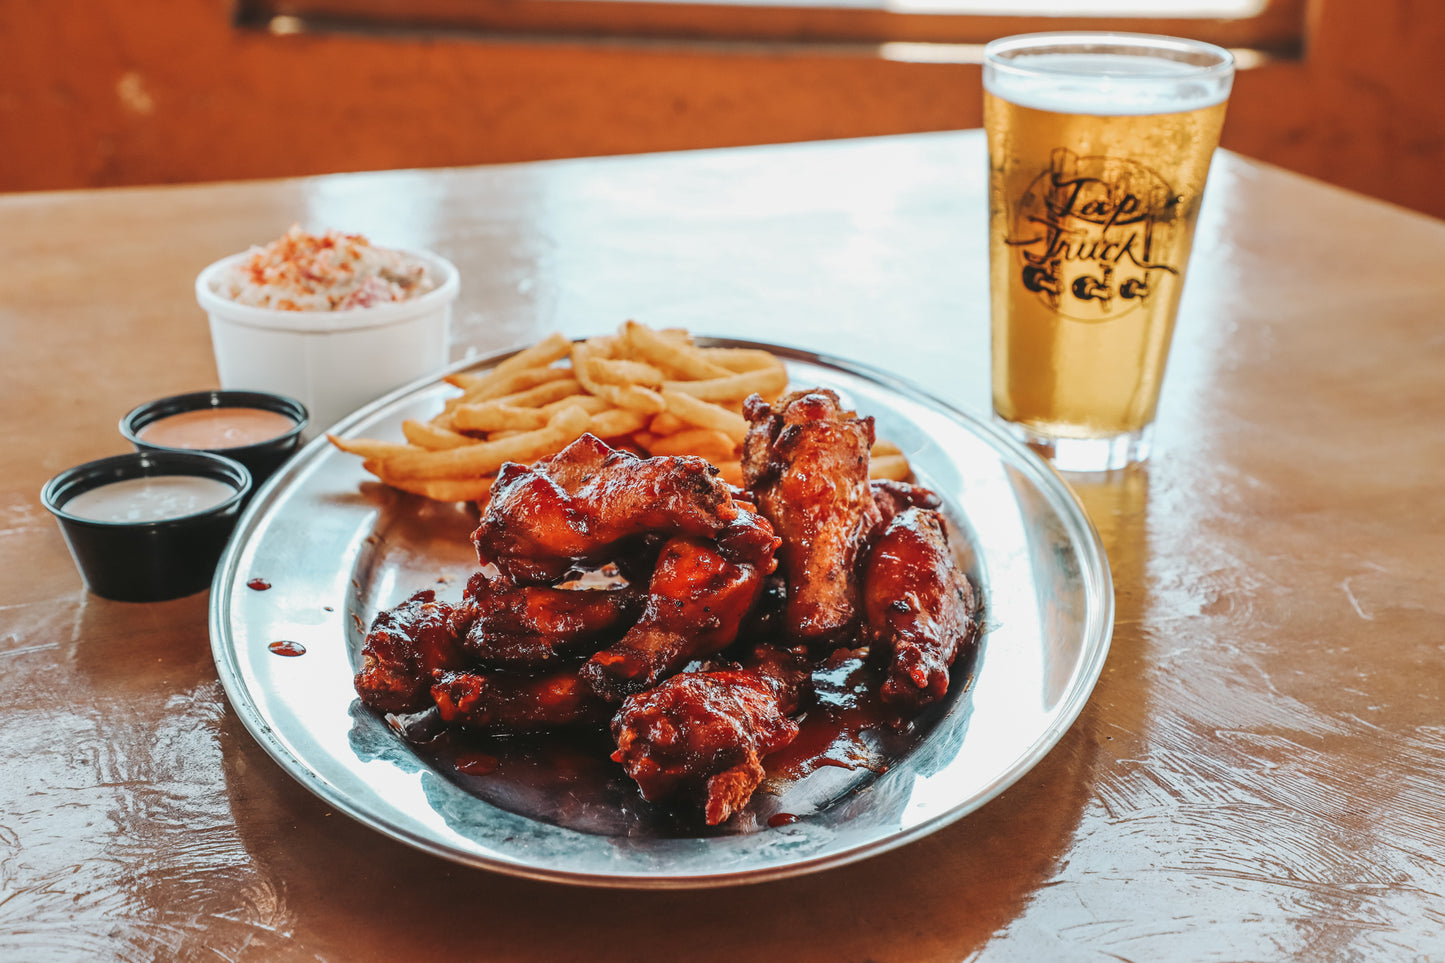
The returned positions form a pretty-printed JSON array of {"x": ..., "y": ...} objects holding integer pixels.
[{"x": 106, "y": 92}]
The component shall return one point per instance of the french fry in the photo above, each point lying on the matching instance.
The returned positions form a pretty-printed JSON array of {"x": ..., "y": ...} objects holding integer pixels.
[
  {"x": 616, "y": 422},
  {"x": 644, "y": 389},
  {"x": 484, "y": 458},
  {"x": 515, "y": 382},
  {"x": 893, "y": 467},
  {"x": 739, "y": 360},
  {"x": 707, "y": 443},
  {"x": 731, "y": 472},
  {"x": 493, "y": 416},
  {"x": 511, "y": 411},
  {"x": 704, "y": 414},
  {"x": 623, "y": 396},
  {"x": 371, "y": 448},
  {"x": 883, "y": 446},
  {"x": 552, "y": 348},
  {"x": 666, "y": 423},
  {"x": 621, "y": 371},
  {"x": 582, "y": 354},
  {"x": 591, "y": 403},
  {"x": 604, "y": 346},
  {"x": 445, "y": 489},
  {"x": 426, "y": 434},
  {"x": 677, "y": 357},
  {"x": 735, "y": 405},
  {"x": 542, "y": 394},
  {"x": 767, "y": 382},
  {"x": 530, "y": 387},
  {"x": 635, "y": 397},
  {"x": 490, "y": 389}
]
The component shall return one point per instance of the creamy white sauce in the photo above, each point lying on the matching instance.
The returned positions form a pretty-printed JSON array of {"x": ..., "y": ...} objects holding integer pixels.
[{"x": 150, "y": 498}]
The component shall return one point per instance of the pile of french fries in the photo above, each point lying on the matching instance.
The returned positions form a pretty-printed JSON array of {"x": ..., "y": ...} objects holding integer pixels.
[{"x": 648, "y": 390}]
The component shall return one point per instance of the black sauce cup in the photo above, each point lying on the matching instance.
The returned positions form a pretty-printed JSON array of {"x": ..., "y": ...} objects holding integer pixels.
[
  {"x": 261, "y": 459},
  {"x": 155, "y": 560}
]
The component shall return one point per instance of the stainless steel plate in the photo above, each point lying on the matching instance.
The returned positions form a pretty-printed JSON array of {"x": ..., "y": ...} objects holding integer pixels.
[{"x": 336, "y": 547}]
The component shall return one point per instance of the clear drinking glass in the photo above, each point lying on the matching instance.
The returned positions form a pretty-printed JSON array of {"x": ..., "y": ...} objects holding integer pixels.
[{"x": 1099, "y": 145}]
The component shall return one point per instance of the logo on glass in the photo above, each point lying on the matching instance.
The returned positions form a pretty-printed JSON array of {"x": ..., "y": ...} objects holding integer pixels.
[{"x": 1085, "y": 229}]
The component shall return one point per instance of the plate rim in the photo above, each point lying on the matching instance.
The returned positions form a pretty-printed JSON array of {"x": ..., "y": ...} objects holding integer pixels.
[{"x": 1095, "y": 574}]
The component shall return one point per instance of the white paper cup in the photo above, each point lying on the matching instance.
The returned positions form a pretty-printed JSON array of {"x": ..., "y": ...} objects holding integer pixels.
[{"x": 333, "y": 362}]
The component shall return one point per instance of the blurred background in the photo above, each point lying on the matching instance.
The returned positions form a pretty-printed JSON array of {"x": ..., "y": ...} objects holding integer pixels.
[{"x": 98, "y": 93}]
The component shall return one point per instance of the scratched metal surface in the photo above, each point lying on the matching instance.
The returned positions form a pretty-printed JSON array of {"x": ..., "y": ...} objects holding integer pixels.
[{"x": 1257, "y": 774}]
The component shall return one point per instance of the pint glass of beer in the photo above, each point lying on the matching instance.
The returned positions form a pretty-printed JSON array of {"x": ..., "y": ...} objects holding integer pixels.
[{"x": 1098, "y": 145}]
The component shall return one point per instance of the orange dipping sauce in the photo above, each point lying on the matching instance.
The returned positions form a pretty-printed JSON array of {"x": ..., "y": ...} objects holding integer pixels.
[{"x": 211, "y": 428}]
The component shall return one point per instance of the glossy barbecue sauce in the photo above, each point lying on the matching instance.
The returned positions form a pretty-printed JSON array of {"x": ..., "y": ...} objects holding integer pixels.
[
  {"x": 847, "y": 737},
  {"x": 847, "y": 725},
  {"x": 476, "y": 763},
  {"x": 566, "y": 778}
]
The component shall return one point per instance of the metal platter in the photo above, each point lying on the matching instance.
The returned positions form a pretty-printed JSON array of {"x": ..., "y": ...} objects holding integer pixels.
[{"x": 336, "y": 547}]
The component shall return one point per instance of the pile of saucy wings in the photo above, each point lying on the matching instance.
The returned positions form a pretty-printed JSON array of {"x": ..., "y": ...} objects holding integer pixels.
[{"x": 649, "y": 596}]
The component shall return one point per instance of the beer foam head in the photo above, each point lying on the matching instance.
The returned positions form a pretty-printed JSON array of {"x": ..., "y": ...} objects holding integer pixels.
[{"x": 1107, "y": 74}]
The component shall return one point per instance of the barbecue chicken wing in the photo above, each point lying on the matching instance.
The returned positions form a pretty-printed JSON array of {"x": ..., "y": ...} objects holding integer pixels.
[
  {"x": 806, "y": 460},
  {"x": 704, "y": 734},
  {"x": 520, "y": 626},
  {"x": 405, "y": 645},
  {"x": 534, "y": 644},
  {"x": 502, "y": 700},
  {"x": 582, "y": 503},
  {"x": 892, "y": 497},
  {"x": 920, "y": 608},
  {"x": 696, "y": 600}
]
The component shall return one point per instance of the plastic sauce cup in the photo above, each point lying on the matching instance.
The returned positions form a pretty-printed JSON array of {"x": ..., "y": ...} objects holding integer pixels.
[
  {"x": 170, "y": 548},
  {"x": 261, "y": 457}
]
